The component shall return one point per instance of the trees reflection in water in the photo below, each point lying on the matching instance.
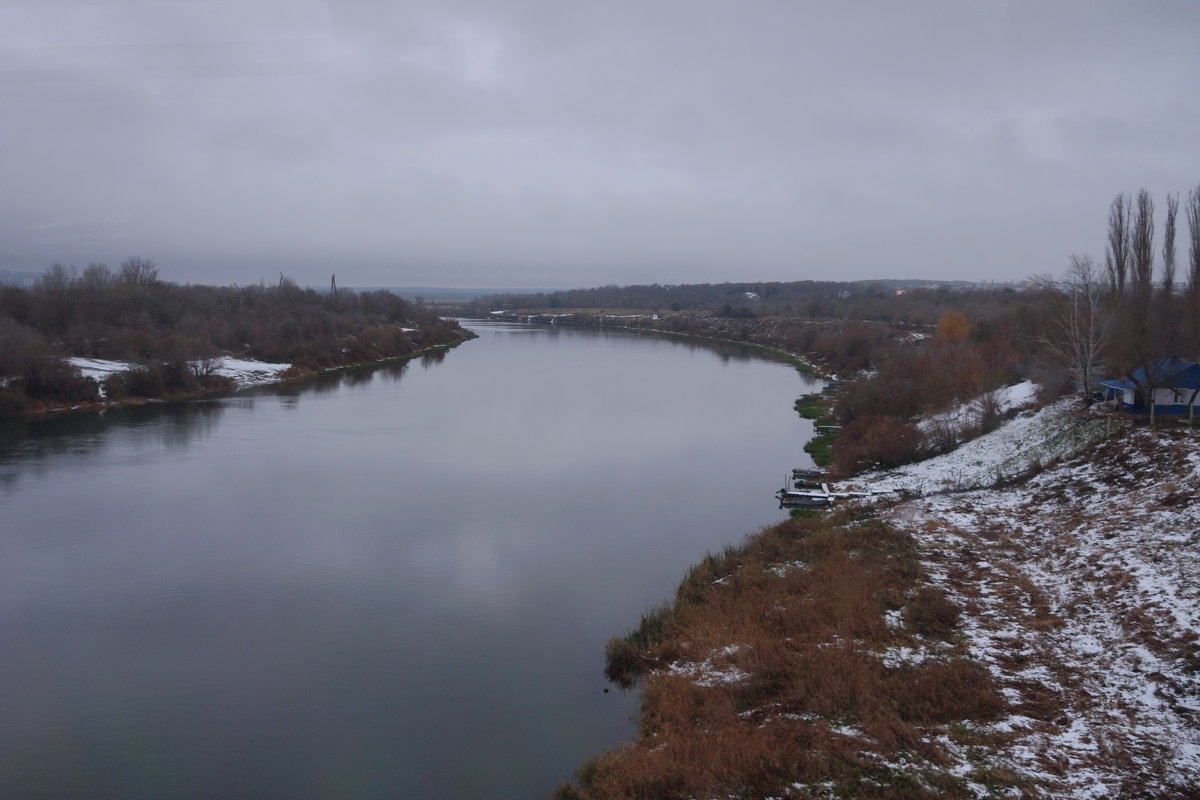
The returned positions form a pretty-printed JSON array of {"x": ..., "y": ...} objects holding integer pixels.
[{"x": 32, "y": 446}]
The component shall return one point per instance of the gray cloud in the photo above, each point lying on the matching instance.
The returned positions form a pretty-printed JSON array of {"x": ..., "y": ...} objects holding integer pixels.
[{"x": 569, "y": 144}]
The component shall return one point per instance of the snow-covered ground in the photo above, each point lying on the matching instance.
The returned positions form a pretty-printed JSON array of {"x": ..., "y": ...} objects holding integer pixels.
[
  {"x": 967, "y": 417},
  {"x": 1033, "y": 439},
  {"x": 243, "y": 371},
  {"x": 251, "y": 373},
  {"x": 97, "y": 368},
  {"x": 1079, "y": 593}
]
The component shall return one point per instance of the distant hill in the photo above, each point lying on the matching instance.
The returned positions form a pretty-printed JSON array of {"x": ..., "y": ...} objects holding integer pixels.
[
  {"x": 442, "y": 294},
  {"x": 917, "y": 283}
]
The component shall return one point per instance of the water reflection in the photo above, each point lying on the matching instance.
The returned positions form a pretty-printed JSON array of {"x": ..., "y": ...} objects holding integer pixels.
[
  {"x": 725, "y": 350},
  {"x": 433, "y": 357},
  {"x": 35, "y": 447},
  {"x": 29, "y": 445}
]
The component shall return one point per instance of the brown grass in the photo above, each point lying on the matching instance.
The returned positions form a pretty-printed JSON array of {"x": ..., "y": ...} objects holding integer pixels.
[{"x": 798, "y": 608}]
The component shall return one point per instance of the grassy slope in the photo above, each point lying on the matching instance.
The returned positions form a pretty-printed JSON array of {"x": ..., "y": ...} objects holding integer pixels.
[{"x": 1038, "y": 640}]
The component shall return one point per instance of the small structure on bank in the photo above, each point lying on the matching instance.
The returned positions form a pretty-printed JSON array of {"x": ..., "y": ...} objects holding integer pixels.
[{"x": 1169, "y": 386}]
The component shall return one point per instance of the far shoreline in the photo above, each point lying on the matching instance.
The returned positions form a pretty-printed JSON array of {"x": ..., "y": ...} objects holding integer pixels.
[{"x": 290, "y": 375}]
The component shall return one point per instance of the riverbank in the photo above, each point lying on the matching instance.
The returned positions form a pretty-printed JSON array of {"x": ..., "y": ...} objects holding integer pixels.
[
  {"x": 767, "y": 335},
  {"x": 1031, "y": 634},
  {"x": 223, "y": 376}
]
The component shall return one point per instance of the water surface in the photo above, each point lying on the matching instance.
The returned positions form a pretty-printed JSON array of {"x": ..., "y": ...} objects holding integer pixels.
[{"x": 391, "y": 583}]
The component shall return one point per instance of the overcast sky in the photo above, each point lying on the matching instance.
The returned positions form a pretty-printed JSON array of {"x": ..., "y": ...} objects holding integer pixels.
[{"x": 550, "y": 143}]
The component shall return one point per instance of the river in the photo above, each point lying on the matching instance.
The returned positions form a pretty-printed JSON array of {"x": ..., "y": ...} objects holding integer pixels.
[{"x": 388, "y": 583}]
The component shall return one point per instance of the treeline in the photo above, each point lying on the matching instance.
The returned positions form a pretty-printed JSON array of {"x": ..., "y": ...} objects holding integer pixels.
[
  {"x": 176, "y": 334},
  {"x": 909, "y": 351},
  {"x": 894, "y": 302},
  {"x": 1121, "y": 320}
]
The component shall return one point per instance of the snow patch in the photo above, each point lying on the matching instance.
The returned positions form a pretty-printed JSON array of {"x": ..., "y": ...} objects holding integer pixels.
[
  {"x": 962, "y": 419},
  {"x": 1033, "y": 439},
  {"x": 715, "y": 670},
  {"x": 244, "y": 372}
]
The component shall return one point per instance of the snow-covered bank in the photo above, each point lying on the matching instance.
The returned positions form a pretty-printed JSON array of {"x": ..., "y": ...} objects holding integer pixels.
[
  {"x": 1028, "y": 441},
  {"x": 953, "y": 424},
  {"x": 97, "y": 368},
  {"x": 245, "y": 372},
  {"x": 1079, "y": 594}
]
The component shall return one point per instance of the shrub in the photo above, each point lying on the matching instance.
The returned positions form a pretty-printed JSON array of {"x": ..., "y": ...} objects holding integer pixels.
[
  {"x": 872, "y": 441},
  {"x": 945, "y": 691},
  {"x": 51, "y": 378},
  {"x": 145, "y": 381},
  {"x": 12, "y": 402},
  {"x": 931, "y": 613},
  {"x": 114, "y": 385}
]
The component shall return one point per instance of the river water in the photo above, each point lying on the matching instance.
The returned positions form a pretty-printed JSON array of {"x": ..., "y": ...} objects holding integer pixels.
[{"x": 389, "y": 583}]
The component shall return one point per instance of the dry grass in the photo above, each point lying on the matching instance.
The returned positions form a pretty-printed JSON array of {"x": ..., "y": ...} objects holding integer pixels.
[{"x": 767, "y": 672}]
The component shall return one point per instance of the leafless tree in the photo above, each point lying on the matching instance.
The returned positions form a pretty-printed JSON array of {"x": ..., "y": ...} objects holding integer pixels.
[
  {"x": 1146, "y": 335},
  {"x": 206, "y": 365},
  {"x": 97, "y": 277},
  {"x": 1168, "y": 251},
  {"x": 1081, "y": 323},
  {"x": 1192, "y": 212},
  {"x": 1119, "y": 235},
  {"x": 1141, "y": 247},
  {"x": 56, "y": 280},
  {"x": 139, "y": 271}
]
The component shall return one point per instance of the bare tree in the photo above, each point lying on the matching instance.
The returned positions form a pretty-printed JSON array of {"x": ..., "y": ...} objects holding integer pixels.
[
  {"x": 55, "y": 280},
  {"x": 1193, "y": 221},
  {"x": 1143, "y": 333},
  {"x": 1141, "y": 247},
  {"x": 139, "y": 271},
  {"x": 1168, "y": 251},
  {"x": 97, "y": 277},
  {"x": 1192, "y": 212},
  {"x": 1119, "y": 234},
  {"x": 1081, "y": 323}
]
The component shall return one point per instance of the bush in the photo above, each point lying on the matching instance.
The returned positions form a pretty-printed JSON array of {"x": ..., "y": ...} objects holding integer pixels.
[
  {"x": 945, "y": 691},
  {"x": 12, "y": 402},
  {"x": 114, "y": 386},
  {"x": 872, "y": 441},
  {"x": 931, "y": 613},
  {"x": 50, "y": 378},
  {"x": 145, "y": 382}
]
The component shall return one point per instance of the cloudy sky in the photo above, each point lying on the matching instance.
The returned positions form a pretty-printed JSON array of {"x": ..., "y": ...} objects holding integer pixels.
[{"x": 552, "y": 143}]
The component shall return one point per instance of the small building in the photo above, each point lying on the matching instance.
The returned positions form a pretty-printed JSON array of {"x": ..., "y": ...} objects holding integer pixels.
[{"x": 1176, "y": 383}]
